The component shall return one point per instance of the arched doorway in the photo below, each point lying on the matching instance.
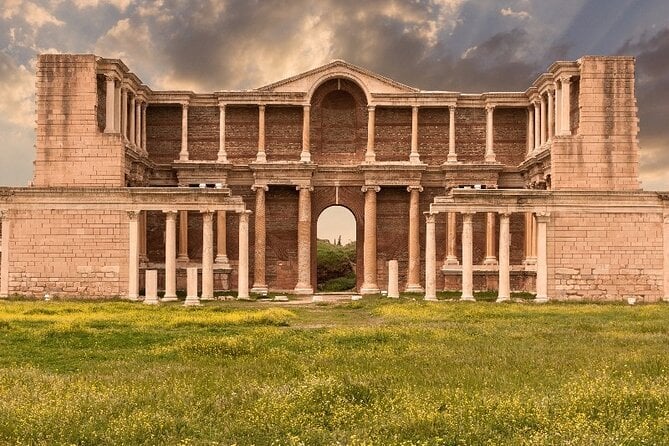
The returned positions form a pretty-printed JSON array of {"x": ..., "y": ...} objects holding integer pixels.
[{"x": 336, "y": 251}]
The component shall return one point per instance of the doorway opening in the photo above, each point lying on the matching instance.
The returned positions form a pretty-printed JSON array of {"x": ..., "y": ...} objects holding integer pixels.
[{"x": 335, "y": 250}]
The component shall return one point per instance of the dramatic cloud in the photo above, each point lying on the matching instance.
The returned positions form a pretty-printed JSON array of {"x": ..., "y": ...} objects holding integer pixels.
[
  {"x": 32, "y": 13},
  {"x": 508, "y": 12},
  {"x": 16, "y": 91}
]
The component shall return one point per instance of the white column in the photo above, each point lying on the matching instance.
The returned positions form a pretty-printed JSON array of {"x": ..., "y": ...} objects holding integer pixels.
[
  {"x": 221, "y": 241},
  {"x": 183, "y": 154},
  {"x": 243, "y": 268},
  {"x": 369, "y": 285},
  {"x": 537, "y": 125},
  {"x": 370, "y": 155},
  {"x": 117, "y": 107},
  {"x": 413, "y": 274},
  {"x": 110, "y": 97},
  {"x": 490, "y": 258},
  {"x": 550, "y": 120},
  {"x": 151, "y": 287},
  {"x": 542, "y": 261},
  {"x": 144, "y": 127},
  {"x": 222, "y": 154},
  {"x": 304, "y": 242},
  {"x": 489, "y": 137},
  {"x": 393, "y": 279},
  {"x": 467, "y": 257},
  {"x": 543, "y": 125},
  {"x": 138, "y": 124},
  {"x": 207, "y": 255},
  {"x": 170, "y": 256},
  {"x": 452, "y": 156},
  {"x": 451, "y": 257},
  {"x": 191, "y": 288},
  {"x": 133, "y": 255},
  {"x": 665, "y": 232},
  {"x": 530, "y": 130},
  {"x": 261, "y": 157},
  {"x": 305, "y": 156},
  {"x": 430, "y": 258},
  {"x": 182, "y": 255},
  {"x": 4, "y": 255},
  {"x": 530, "y": 254},
  {"x": 131, "y": 120},
  {"x": 558, "y": 108},
  {"x": 566, "y": 105},
  {"x": 414, "y": 157},
  {"x": 259, "y": 283},
  {"x": 124, "y": 113},
  {"x": 504, "y": 292}
]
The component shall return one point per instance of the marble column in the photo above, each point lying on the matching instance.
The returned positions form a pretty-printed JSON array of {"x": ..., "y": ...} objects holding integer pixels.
[
  {"x": 452, "y": 156},
  {"x": 467, "y": 257},
  {"x": 566, "y": 106},
  {"x": 530, "y": 255},
  {"x": 4, "y": 254},
  {"x": 665, "y": 233},
  {"x": 537, "y": 126},
  {"x": 132, "y": 121},
  {"x": 558, "y": 108},
  {"x": 207, "y": 255},
  {"x": 489, "y": 135},
  {"x": 550, "y": 119},
  {"x": 542, "y": 260},
  {"x": 543, "y": 127},
  {"x": 370, "y": 155},
  {"x": 170, "y": 256},
  {"x": 393, "y": 279},
  {"x": 304, "y": 242},
  {"x": 305, "y": 156},
  {"x": 191, "y": 288},
  {"x": 261, "y": 157},
  {"x": 259, "y": 281},
  {"x": 124, "y": 113},
  {"x": 530, "y": 130},
  {"x": 451, "y": 257},
  {"x": 183, "y": 237},
  {"x": 490, "y": 258},
  {"x": 145, "y": 105},
  {"x": 110, "y": 107},
  {"x": 138, "y": 124},
  {"x": 143, "y": 258},
  {"x": 133, "y": 255},
  {"x": 369, "y": 285},
  {"x": 413, "y": 274},
  {"x": 414, "y": 157},
  {"x": 504, "y": 287},
  {"x": 243, "y": 267},
  {"x": 117, "y": 108},
  {"x": 183, "y": 154},
  {"x": 221, "y": 242},
  {"x": 151, "y": 287},
  {"x": 430, "y": 258},
  {"x": 222, "y": 154}
]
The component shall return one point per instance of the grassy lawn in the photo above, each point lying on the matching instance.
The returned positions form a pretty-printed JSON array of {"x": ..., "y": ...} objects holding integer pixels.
[{"x": 369, "y": 372}]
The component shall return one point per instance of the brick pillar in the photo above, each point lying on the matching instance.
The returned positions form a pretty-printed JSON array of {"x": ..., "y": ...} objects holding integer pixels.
[
  {"x": 304, "y": 242},
  {"x": 430, "y": 258},
  {"x": 110, "y": 105},
  {"x": 4, "y": 253},
  {"x": 542, "y": 261},
  {"x": 221, "y": 242},
  {"x": 452, "y": 156},
  {"x": 665, "y": 231},
  {"x": 305, "y": 156},
  {"x": 132, "y": 121},
  {"x": 451, "y": 257},
  {"x": 369, "y": 285},
  {"x": 243, "y": 264},
  {"x": 259, "y": 281},
  {"x": 566, "y": 104},
  {"x": 207, "y": 255},
  {"x": 133, "y": 255},
  {"x": 170, "y": 256},
  {"x": 530, "y": 130},
  {"x": 261, "y": 157},
  {"x": 490, "y": 258},
  {"x": 370, "y": 155},
  {"x": 414, "y": 157},
  {"x": 222, "y": 154},
  {"x": 183, "y": 237},
  {"x": 413, "y": 274},
  {"x": 467, "y": 257},
  {"x": 504, "y": 292},
  {"x": 542, "y": 138},
  {"x": 489, "y": 140},
  {"x": 183, "y": 153},
  {"x": 550, "y": 119}
]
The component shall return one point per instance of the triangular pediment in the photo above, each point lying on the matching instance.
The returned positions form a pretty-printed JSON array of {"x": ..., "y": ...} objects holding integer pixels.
[{"x": 370, "y": 81}]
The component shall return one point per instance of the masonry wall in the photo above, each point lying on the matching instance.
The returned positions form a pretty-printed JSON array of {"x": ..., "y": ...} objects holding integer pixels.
[
  {"x": 241, "y": 134},
  {"x": 78, "y": 252},
  {"x": 605, "y": 256},
  {"x": 433, "y": 128},
  {"x": 71, "y": 149},
  {"x": 392, "y": 133},
  {"x": 203, "y": 133},
  {"x": 163, "y": 133},
  {"x": 470, "y": 127},
  {"x": 510, "y": 135},
  {"x": 283, "y": 133}
]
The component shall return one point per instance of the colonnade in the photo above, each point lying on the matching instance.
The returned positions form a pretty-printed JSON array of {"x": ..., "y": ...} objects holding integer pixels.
[
  {"x": 125, "y": 113},
  {"x": 549, "y": 114}
]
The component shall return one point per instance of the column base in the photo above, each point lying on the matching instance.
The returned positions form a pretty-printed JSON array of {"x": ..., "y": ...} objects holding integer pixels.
[
  {"x": 169, "y": 299},
  {"x": 467, "y": 299},
  {"x": 183, "y": 259},
  {"x": 134, "y": 298},
  {"x": 431, "y": 298},
  {"x": 452, "y": 158},
  {"x": 414, "y": 288},
  {"x": 451, "y": 260},
  {"x": 414, "y": 158},
  {"x": 305, "y": 157},
  {"x": 503, "y": 299},
  {"x": 259, "y": 289},
  {"x": 367, "y": 289},
  {"x": 303, "y": 289},
  {"x": 192, "y": 301},
  {"x": 664, "y": 299},
  {"x": 183, "y": 157},
  {"x": 207, "y": 298},
  {"x": 222, "y": 160},
  {"x": 541, "y": 299},
  {"x": 370, "y": 157},
  {"x": 151, "y": 301},
  {"x": 490, "y": 158},
  {"x": 490, "y": 261},
  {"x": 530, "y": 261},
  {"x": 261, "y": 158}
]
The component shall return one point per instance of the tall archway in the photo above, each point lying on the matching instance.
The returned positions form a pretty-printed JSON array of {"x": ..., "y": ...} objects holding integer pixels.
[{"x": 336, "y": 253}]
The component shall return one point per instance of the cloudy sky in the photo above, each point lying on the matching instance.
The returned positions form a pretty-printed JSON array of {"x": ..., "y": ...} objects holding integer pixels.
[{"x": 462, "y": 45}]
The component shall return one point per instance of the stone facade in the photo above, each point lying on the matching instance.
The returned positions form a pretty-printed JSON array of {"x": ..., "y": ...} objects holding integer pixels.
[{"x": 520, "y": 191}]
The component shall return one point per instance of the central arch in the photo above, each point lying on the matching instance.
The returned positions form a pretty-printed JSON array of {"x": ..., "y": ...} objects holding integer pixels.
[{"x": 336, "y": 258}]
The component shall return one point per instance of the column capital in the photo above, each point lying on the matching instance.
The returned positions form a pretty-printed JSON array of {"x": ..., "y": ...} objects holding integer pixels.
[
  {"x": 309, "y": 187},
  {"x": 536, "y": 103},
  {"x": 430, "y": 217},
  {"x": 111, "y": 77},
  {"x": 184, "y": 105},
  {"x": 412, "y": 188},
  {"x": 371, "y": 108},
  {"x": 505, "y": 214},
  {"x": 368, "y": 188},
  {"x": 306, "y": 106},
  {"x": 665, "y": 217},
  {"x": 261, "y": 107},
  {"x": 451, "y": 108},
  {"x": 171, "y": 213},
  {"x": 415, "y": 107},
  {"x": 207, "y": 213},
  {"x": 133, "y": 215},
  {"x": 221, "y": 105},
  {"x": 565, "y": 79},
  {"x": 259, "y": 186},
  {"x": 542, "y": 217},
  {"x": 489, "y": 107},
  {"x": 244, "y": 212},
  {"x": 4, "y": 213}
]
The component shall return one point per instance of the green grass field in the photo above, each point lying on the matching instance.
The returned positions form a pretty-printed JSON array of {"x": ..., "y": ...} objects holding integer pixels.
[{"x": 370, "y": 372}]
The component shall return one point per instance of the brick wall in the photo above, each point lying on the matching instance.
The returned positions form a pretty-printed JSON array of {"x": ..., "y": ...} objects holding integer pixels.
[
  {"x": 203, "y": 133},
  {"x": 69, "y": 252},
  {"x": 163, "y": 133},
  {"x": 283, "y": 133},
  {"x": 433, "y": 125},
  {"x": 241, "y": 134},
  {"x": 510, "y": 135},
  {"x": 392, "y": 133},
  {"x": 470, "y": 126}
]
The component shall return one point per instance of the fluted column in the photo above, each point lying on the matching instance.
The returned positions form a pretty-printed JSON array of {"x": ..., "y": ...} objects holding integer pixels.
[
  {"x": 124, "y": 113},
  {"x": 110, "y": 106},
  {"x": 370, "y": 155},
  {"x": 183, "y": 154},
  {"x": 221, "y": 241},
  {"x": 304, "y": 242},
  {"x": 261, "y": 157},
  {"x": 243, "y": 266},
  {"x": 566, "y": 105},
  {"x": 132, "y": 121},
  {"x": 489, "y": 135},
  {"x": 413, "y": 274},
  {"x": 490, "y": 258},
  {"x": 170, "y": 256},
  {"x": 542, "y": 260},
  {"x": 550, "y": 122},
  {"x": 222, "y": 154},
  {"x": 259, "y": 281},
  {"x": 183, "y": 237},
  {"x": 369, "y": 285},
  {"x": 530, "y": 130},
  {"x": 207, "y": 255},
  {"x": 133, "y": 255},
  {"x": 305, "y": 156},
  {"x": 451, "y": 256},
  {"x": 504, "y": 287},
  {"x": 452, "y": 156},
  {"x": 4, "y": 254},
  {"x": 430, "y": 258},
  {"x": 537, "y": 125},
  {"x": 467, "y": 257},
  {"x": 414, "y": 157}
]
